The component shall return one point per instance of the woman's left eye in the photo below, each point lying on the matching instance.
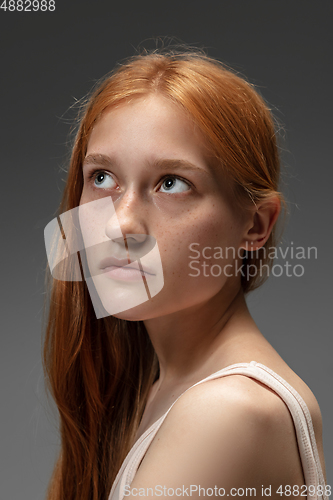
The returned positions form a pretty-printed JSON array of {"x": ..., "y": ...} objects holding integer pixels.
[
  {"x": 171, "y": 182},
  {"x": 102, "y": 180}
]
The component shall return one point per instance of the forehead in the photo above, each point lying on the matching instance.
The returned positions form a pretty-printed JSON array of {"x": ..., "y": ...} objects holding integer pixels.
[
  {"x": 151, "y": 121},
  {"x": 150, "y": 129}
]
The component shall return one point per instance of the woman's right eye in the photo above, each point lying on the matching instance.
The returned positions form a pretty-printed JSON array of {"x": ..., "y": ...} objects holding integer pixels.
[{"x": 102, "y": 180}]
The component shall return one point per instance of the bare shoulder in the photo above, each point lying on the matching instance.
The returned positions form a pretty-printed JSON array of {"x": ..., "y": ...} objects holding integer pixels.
[
  {"x": 235, "y": 401},
  {"x": 230, "y": 397},
  {"x": 229, "y": 432},
  {"x": 236, "y": 389}
]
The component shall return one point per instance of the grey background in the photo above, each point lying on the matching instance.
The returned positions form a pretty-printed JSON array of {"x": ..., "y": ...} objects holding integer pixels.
[{"x": 50, "y": 59}]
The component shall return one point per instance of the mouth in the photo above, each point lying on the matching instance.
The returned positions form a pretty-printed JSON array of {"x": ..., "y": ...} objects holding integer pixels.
[{"x": 121, "y": 266}]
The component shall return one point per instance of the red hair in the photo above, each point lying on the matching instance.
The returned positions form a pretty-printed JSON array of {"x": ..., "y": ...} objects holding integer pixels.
[{"x": 100, "y": 371}]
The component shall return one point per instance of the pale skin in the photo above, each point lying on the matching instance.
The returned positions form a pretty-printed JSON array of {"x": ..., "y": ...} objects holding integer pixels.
[{"x": 234, "y": 431}]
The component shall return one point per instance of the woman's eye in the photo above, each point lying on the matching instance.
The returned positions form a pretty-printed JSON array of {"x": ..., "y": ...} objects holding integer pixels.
[
  {"x": 103, "y": 180},
  {"x": 174, "y": 185}
]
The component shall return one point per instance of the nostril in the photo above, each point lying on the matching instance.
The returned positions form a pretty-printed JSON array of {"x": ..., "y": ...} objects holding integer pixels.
[
  {"x": 140, "y": 244},
  {"x": 137, "y": 238},
  {"x": 118, "y": 240}
]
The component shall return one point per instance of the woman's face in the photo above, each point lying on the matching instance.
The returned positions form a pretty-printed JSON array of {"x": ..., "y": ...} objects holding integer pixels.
[{"x": 147, "y": 161}]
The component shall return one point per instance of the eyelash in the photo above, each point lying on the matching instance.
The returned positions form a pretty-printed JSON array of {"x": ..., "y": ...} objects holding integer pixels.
[{"x": 93, "y": 174}]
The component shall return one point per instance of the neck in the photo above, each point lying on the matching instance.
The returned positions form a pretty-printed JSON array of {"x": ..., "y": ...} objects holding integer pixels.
[{"x": 195, "y": 340}]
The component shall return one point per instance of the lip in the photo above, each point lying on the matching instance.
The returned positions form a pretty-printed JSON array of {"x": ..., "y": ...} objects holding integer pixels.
[
  {"x": 124, "y": 273},
  {"x": 111, "y": 264}
]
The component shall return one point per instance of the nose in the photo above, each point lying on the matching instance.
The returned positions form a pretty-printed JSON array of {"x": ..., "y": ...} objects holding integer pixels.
[{"x": 131, "y": 216}]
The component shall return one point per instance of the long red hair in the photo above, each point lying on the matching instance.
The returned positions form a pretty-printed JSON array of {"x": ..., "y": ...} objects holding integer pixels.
[{"x": 99, "y": 371}]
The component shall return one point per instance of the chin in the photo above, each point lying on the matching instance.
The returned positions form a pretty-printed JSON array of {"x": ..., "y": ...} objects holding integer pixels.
[
  {"x": 133, "y": 315},
  {"x": 138, "y": 312}
]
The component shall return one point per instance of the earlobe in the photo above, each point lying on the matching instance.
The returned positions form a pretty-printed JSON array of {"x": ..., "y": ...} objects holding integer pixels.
[{"x": 261, "y": 223}]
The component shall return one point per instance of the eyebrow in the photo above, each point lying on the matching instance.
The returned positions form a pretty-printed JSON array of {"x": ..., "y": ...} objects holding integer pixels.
[
  {"x": 161, "y": 164},
  {"x": 98, "y": 160},
  {"x": 175, "y": 164}
]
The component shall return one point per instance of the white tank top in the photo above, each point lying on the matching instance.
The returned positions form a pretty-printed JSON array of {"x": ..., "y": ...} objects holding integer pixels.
[{"x": 306, "y": 441}]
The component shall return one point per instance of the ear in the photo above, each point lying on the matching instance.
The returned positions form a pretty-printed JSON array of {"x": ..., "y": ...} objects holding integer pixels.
[{"x": 261, "y": 222}]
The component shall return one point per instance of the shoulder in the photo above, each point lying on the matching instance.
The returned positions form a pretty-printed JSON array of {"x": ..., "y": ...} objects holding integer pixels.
[
  {"x": 227, "y": 431},
  {"x": 236, "y": 395},
  {"x": 232, "y": 407}
]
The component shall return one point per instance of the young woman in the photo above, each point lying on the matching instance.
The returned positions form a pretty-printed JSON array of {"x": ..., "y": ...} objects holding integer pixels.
[{"x": 177, "y": 393}]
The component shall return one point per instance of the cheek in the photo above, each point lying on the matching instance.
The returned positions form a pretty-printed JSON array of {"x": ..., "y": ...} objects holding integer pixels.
[
  {"x": 212, "y": 231},
  {"x": 217, "y": 228}
]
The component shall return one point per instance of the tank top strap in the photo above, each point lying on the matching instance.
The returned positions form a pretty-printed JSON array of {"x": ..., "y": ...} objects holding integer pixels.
[
  {"x": 299, "y": 411},
  {"x": 312, "y": 470}
]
